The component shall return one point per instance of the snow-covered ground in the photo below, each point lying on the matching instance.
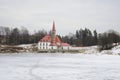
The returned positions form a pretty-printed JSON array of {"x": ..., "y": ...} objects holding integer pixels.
[
  {"x": 95, "y": 50},
  {"x": 116, "y": 50},
  {"x": 57, "y": 66}
]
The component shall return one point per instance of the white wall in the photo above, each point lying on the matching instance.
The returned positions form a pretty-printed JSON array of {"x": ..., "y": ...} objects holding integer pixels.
[
  {"x": 46, "y": 46},
  {"x": 43, "y": 45},
  {"x": 65, "y": 47},
  {"x": 53, "y": 47}
]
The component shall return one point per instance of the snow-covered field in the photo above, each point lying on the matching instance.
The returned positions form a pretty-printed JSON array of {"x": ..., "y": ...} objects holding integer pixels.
[{"x": 59, "y": 67}]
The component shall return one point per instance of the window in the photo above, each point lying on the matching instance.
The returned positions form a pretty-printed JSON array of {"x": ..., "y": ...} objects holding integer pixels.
[
  {"x": 52, "y": 47},
  {"x": 62, "y": 47},
  {"x": 40, "y": 44}
]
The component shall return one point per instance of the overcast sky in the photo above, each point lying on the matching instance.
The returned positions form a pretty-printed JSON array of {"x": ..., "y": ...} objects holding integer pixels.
[{"x": 69, "y": 15}]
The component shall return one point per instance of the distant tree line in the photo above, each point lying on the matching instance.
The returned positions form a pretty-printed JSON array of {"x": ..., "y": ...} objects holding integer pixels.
[
  {"x": 108, "y": 40},
  {"x": 15, "y": 36},
  {"x": 85, "y": 37},
  {"x": 82, "y": 37}
]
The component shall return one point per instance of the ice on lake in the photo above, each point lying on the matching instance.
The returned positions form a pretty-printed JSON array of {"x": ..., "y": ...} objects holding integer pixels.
[{"x": 59, "y": 67}]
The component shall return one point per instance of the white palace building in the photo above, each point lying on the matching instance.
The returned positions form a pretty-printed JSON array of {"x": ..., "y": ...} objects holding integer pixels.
[{"x": 52, "y": 43}]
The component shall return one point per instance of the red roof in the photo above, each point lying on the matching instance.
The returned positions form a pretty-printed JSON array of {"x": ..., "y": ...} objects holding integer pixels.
[
  {"x": 57, "y": 39},
  {"x": 65, "y": 44},
  {"x": 47, "y": 38}
]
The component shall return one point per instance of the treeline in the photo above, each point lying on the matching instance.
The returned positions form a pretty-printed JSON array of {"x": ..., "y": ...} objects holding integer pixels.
[
  {"x": 15, "y": 36},
  {"x": 85, "y": 37},
  {"x": 82, "y": 37},
  {"x": 108, "y": 40}
]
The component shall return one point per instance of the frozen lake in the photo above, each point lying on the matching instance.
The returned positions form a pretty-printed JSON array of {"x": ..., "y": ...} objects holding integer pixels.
[{"x": 59, "y": 67}]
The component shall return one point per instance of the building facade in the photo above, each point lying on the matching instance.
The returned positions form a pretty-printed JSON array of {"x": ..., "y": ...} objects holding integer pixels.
[{"x": 52, "y": 42}]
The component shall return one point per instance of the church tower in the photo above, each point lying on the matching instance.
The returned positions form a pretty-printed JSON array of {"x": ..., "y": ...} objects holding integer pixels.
[{"x": 53, "y": 35}]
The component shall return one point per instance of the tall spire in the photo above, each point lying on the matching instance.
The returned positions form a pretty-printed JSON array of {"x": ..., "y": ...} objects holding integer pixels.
[
  {"x": 53, "y": 28},
  {"x": 53, "y": 35}
]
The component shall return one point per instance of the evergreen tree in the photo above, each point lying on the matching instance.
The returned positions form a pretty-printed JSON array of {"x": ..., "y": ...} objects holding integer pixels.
[
  {"x": 95, "y": 37},
  {"x": 15, "y": 36}
]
